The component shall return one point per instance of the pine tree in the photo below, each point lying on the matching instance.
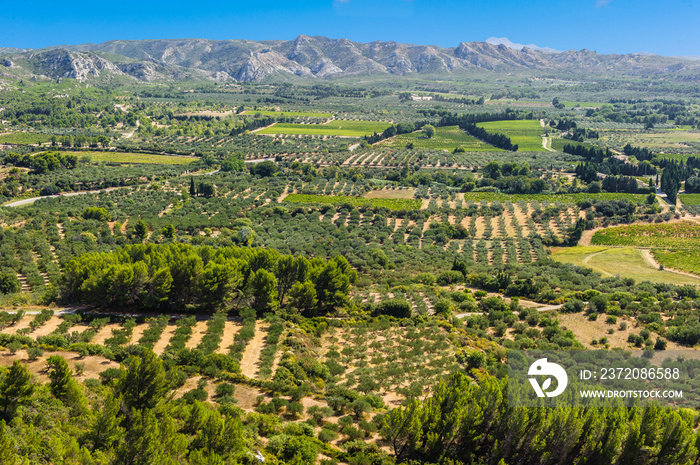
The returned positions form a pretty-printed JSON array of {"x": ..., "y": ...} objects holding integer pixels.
[
  {"x": 15, "y": 389},
  {"x": 264, "y": 286},
  {"x": 106, "y": 430},
  {"x": 143, "y": 442},
  {"x": 60, "y": 376},
  {"x": 144, "y": 384},
  {"x": 63, "y": 386},
  {"x": 7, "y": 446},
  {"x": 141, "y": 230}
]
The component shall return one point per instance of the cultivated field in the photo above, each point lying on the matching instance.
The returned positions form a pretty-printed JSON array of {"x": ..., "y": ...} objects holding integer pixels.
[
  {"x": 294, "y": 113},
  {"x": 445, "y": 138},
  {"x": 621, "y": 261},
  {"x": 525, "y": 133},
  {"x": 347, "y": 128},
  {"x": 391, "y": 204},
  {"x": 661, "y": 140},
  {"x": 673, "y": 245},
  {"x": 24, "y": 138},
  {"x": 136, "y": 158}
]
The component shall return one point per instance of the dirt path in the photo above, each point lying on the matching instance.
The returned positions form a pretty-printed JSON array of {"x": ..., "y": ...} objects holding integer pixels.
[
  {"x": 23, "y": 323},
  {"x": 586, "y": 260},
  {"x": 166, "y": 335},
  {"x": 105, "y": 333},
  {"x": 264, "y": 127},
  {"x": 647, "y": 255},
  {"x": 547, "y": 144},
  {"x": 48, "y": 327},
  {"x": 137, "y": 332},
  {"x": 230, "y": 330},
  {"x": 198, "y": 332},
  {"x": 547, "y": 308},
  {"x": 129, "y": 135},
  {"x": 251, "y": 355}
]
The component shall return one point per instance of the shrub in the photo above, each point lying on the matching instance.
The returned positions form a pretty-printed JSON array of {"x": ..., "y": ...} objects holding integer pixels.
[
  {"x": 34, "y": 353},
  {"x": 326, "y": 435},
  {"x": 394, "y": 307}
]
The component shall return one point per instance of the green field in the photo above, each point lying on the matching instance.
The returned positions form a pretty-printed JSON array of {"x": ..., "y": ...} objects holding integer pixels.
[
  {"x": 584, "y": 104},
  {"x": 674, "y": 156},
  {"x": 445, "y": 138},
  {"x": 308, "y": 114},
  {"x": 563, "y": 198},
  {"x": 690, "y": 199},
  {"x": 525, "y": 133},
  {"x": 675, "y": 245},
  {"x": 390, "y": 204},
  {"x": 24, "y": 138},
  {"x": 623, "y": 261},
  {"x": 332, "y": 128},
  {"x": 681, "y": 235},
  {"x": 141, "y": 158}
]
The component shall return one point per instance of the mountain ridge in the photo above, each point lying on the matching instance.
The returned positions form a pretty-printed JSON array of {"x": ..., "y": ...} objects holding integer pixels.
[{"x": 318, "y": 57}]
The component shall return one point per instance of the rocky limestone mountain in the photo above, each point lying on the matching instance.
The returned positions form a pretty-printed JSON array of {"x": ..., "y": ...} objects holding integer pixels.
[
  {"x": 61, "y": 63},
  {"x": 308, "y": 57}
]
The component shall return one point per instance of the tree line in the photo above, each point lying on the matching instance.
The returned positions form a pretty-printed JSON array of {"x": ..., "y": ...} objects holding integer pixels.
[
  {"x": 394, "y": 130},
  {"x": 591, "y": 153},
  {"x": 496, "y": 139},
  {"x": 169, "y": 276},
  {"x": 41, "y": 163}
]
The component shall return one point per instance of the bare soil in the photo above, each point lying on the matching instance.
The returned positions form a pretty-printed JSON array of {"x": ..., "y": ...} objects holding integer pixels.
[{"x": 251, "y": 355}]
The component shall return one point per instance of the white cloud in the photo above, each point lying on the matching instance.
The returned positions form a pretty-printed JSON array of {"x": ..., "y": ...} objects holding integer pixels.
[{"x": 602, "y": 3}]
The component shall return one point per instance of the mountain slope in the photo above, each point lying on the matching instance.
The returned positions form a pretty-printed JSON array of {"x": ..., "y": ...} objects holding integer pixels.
[{"x": 316, "y": 57}]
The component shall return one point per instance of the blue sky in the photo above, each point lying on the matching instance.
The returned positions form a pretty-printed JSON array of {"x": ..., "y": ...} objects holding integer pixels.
[{"x": 670, "y": 27}]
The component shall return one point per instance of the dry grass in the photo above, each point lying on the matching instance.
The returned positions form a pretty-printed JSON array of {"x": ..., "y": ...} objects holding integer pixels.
[
  {"x": 391, "y": 194},
  {"x": 94, "y": 364},
  {"x": 586, "y": 330},
  {"x": 251, "y": 356},
  {"x": 198, "y": 332}
]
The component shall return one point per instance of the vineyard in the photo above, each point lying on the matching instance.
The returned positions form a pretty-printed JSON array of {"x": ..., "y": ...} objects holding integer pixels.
[
  {"x": 448, "y": 138},
  {"x": 673, "y": 245},
  {"x": 389, "y": 204},
  {"x": 293, "y": 113},
  {"x": 347, "y": 128},
  {"x": 136, "y": 158}
]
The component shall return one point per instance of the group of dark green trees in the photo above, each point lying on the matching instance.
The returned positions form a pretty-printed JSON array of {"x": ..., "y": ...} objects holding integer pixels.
[
  {"x": 131, "y": 419},
  {"x": 467, "y": 423},
  {"x": 170, "y": 276}
]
